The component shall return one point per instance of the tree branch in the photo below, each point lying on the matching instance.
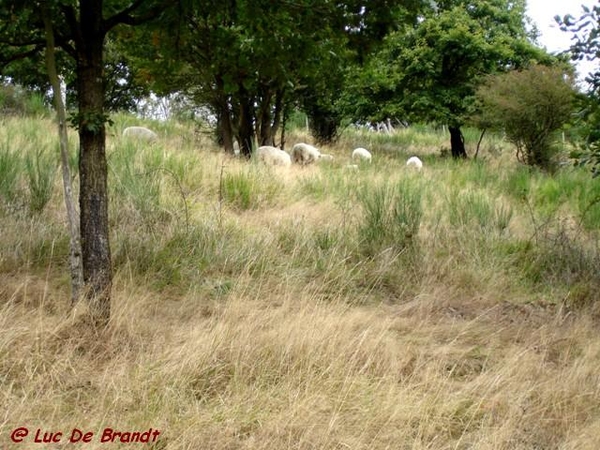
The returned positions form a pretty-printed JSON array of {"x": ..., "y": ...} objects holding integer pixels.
[
  {"x": 64, "y": 43},
  {"x": 21, "y": 55},
  {"x": 23, "y": 43},
  {"x": 123, "y": 16},
  {"x": 126, "y": 17},
  {"x": 71, "y": 19}
]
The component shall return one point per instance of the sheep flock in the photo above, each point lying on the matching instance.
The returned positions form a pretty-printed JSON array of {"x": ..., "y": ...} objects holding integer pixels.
[{"x": 302, "y": 154}]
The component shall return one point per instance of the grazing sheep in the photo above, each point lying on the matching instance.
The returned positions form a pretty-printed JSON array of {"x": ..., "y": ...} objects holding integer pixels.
[
  {"x": 305, "y": 154},
  {"x": 141, "y": 133},
  {"x": 415, "y": 162},
  {"x": 273, "y": 156},
  {"x": 361, "y": 153}
]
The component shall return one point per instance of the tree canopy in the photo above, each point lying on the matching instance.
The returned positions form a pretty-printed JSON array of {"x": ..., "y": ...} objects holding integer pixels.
[
  {"x": 251, "y": 60},
  {"x": 22, "y": 53}
]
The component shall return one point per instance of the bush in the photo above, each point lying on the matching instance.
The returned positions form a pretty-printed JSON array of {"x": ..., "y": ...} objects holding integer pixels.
[{"x": 530, "y": 106}]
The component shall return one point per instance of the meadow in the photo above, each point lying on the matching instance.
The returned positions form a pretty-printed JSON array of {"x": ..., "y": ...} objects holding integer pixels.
[{"x": 310, "y": 308}]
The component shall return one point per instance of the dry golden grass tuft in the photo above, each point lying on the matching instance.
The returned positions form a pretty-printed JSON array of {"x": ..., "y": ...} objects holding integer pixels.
[{"x": 267, "y": 328}]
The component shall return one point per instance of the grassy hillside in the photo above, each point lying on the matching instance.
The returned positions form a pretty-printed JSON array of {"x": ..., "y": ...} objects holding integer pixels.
[{"x": 309, "y": 308}]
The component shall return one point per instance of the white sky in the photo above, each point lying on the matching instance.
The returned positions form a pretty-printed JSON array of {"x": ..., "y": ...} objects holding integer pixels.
[{"x": 543, "y": 11}]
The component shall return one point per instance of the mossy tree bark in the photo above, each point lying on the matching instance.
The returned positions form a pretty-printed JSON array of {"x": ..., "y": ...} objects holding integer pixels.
[{"x": 93, "y": 191}]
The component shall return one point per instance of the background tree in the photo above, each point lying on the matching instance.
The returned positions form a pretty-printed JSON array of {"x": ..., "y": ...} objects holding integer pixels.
[
  {"x": 80, "y": 29},
  {"x": 430, "y": 71},
  {"x": 364, "y": 25},
  {"x": 530, "y": 106}
]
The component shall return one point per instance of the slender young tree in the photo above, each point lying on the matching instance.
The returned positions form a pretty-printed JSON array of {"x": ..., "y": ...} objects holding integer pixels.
[{"x": 75, "y": 263}]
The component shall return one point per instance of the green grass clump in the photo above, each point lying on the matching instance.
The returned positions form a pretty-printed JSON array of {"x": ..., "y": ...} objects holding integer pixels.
[
  {"x": 41, "y": 168},
  {"x": 175, "y": 258},
  {"x": 147, "y": 184},
  {"x": 557, "y": 259},
  {"x": 474, "y": 210},
  {"x": 391, "y": 215},
  {"x": 17, "y": 101},
  {"x": 252, "y": 188},
  {"x": 137, "y": 188},
  {"x": 10, "y": 166},
  {"x": 329, "y": 182},
  {"x": 517, "y": 182}
]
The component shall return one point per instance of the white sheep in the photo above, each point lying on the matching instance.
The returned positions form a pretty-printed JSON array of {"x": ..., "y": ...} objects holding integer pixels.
[
  {"x": 362, "y": 154},
  {"x": 141, "y": 133},
  {"x": 415, "y": 162},
  {"x": 305, "y": 154},
  {"x": 273, "y": 156},
  {"x": 325, "y": 157}
]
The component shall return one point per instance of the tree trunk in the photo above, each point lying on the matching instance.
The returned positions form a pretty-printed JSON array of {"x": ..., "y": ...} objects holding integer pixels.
[
  {"x": 479, "y": 143},
  {"x": 283, "y": 125},
  {"x": 264, "y": 126},
  {"x": 227, "y": 132},
  {"x": 277, "y": 116},
  {"x": 93, "y": 194},
  {"x": 246, "y": 126},
  {"x": 457, "y": 142},
  {"x": 323, "y": 121},
  {"x": 75, "y": 265},
  {"x": 224, "y": 125}
]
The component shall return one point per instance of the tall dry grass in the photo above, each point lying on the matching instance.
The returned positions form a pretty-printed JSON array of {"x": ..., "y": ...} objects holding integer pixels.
[{"x": 252, "y": 315}]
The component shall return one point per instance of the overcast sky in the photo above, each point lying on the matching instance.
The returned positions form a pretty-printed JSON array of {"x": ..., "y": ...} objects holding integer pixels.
[{"x": 543, "y": 12}]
